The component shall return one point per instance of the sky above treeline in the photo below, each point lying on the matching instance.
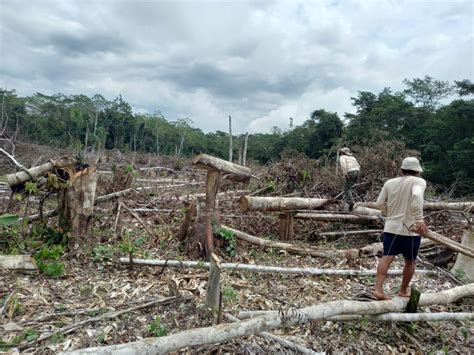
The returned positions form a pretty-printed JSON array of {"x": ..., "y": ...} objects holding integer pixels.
[{"x": 261, "y": 62}]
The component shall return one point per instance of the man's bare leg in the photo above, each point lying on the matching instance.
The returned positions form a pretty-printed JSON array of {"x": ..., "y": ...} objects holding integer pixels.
[
  {"x": 382, "y": 269},
  {"x": 408, "y": 271}
]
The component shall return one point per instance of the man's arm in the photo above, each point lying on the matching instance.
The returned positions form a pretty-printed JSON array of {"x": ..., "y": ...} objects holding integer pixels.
[
  {"x": 381, "y": 202},
  {"x": 418, "y": 191}
]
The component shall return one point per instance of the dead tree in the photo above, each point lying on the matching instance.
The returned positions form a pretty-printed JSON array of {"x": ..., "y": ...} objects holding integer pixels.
[{"x": 208, "y": 217}]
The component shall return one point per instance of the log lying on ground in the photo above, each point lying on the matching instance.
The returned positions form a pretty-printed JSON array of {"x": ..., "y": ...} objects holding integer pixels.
[
  {"x": 319, "y": 252},
  {"x": 226, "y": 332},
  {"x": 22, "y": 176},
  {"x": 257, "y": 268},
  {"x": 286, "y": 343},
  {"x": 434, "y": 206},
  {"x": 387, "y": 317},
  {"x": 344, "y": 233},
  {"x": 235, "y": 172},
  {"x": 337, "y": 217},
  {"x": 17, "y": 262},
  {"x": 450, "y": 244},
  {"x": 252, "y": 203}
]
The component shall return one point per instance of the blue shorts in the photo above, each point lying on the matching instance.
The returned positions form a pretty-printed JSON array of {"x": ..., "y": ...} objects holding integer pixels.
[{"x": 394, "y": 244}]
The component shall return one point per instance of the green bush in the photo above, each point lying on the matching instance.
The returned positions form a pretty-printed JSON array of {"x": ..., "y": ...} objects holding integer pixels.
[{"x": 47, "y": 260}]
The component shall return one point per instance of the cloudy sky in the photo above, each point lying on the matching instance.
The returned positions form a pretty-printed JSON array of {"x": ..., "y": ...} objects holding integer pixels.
[{"x": 259, "y": 61}]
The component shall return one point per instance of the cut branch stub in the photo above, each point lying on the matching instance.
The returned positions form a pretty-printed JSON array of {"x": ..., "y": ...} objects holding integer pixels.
[
  {"x": 232, "y": 171},
  {"x": 249, "y": 203}
]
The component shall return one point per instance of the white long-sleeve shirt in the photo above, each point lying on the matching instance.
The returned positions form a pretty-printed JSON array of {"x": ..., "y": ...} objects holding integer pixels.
[
  {"x": 401, "y": 200},
  {"x": 348, "y": 163}
]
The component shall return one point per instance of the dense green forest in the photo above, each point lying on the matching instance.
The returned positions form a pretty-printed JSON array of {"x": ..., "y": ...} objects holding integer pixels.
[{"x": 418, "y": 117}]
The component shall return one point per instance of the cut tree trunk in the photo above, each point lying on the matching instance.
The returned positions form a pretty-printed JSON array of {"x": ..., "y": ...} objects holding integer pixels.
[
  {"x": 464, "y": 265},
  {"x": 252, "y": 203},
  {"x": 258, "y": 268},
  {"x": 226, "y": 332},
  {"x": 286, "y": 226},
  {"x": 338, "y": 217},
  {"x": 450, "y": 244},
  {"x": 22, "y": 177},
  {"x": 76, "y": 205},
  {"x": 235, "y": 172},
  {"x": 214, "y": 284},
  {"x": 17, "y": 262}
]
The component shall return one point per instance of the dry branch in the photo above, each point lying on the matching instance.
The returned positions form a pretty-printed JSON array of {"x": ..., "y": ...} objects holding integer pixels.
[
  {"x": 343, "y": 233},
  {"x": 451, "y": 244},
  {"x": 252, "y": 203},
  {"x": 257, "y": 268},
  {"x": 111, "y": 315},
  {"x": 226, "y": 332}
]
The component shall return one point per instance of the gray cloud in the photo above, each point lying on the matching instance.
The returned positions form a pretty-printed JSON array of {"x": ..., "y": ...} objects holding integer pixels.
[{"x": 261, "y": 62}]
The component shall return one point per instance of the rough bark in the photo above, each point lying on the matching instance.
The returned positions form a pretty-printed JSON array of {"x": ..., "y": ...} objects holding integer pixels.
[
  {"x": 226, "y": 332},
  {"x": 286, "y": 226},
  {"x": 244, "y": 157},
  {"x": 236, "y": 172},
  {"x": 253, "y": 203},
  {"x": 213, "y": 284},
  {"x": 464, "y": 265},
  {"x": 258, "y": 268},
  {"x": 76, "y": 205},
  {"x": 17, "y": 262}
]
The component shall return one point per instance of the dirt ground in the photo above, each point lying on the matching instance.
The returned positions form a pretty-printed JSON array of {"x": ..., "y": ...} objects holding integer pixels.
[{"x": 95, "y": 283}]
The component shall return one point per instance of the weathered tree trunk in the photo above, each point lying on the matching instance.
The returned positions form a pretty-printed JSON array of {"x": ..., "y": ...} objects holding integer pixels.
[
  {"x": 344, "y": 233},
  {"x": 251, "y": 203},
  {"x": 236, "y": 172},
  {"x": 464, "y": 265},
  {"x": 244, "y": 158},
  {"x": 213, "y": 285},
  {"x": 226, "y": 332},
  {"x": 286, "y": 226},
  {"x": 336, "y": 217},
  {"x": 258, "y": 268},
  {"x": 22, "y": 177},
  {"x": 17, "y": 262},
  {"x": 76, "y": 205}
]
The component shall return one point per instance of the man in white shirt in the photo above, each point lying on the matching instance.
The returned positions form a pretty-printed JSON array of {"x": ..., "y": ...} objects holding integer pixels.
[
  {"x": 350, "y": 169},
  {"x": 401, "y": 201}
]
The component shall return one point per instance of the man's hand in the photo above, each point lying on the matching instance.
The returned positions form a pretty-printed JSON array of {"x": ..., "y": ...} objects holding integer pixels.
[{"x": 420, "y": 228}]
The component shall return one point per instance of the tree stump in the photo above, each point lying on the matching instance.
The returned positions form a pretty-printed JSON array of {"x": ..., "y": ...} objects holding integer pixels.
[
  {"x": 464, "y": 265},
  {"x": 76, "y": 205}
]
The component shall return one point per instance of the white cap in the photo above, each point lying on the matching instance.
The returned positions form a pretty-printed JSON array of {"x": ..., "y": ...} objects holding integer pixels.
[{"x": 411, "y": 163}]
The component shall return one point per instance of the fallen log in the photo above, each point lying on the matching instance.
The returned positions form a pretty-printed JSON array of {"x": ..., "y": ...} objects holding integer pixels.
[
  {"x": 24, "y": 176},
  {"x": 434, "y": 206},
  {"x": 386, "y": 317},
  {"x": 253, "y": 203},
  {"x": 257, "y": 268},
  {"x": 235, "y": 172},
  {"x": 17, "y": 262},
  {"x": 226, "y": 332},
  {"x": 451, "y": 244},
  {"x": 286, "y": 343},
  {"x": 344, "y": 233},
  {"x": 338, "y": 217}
]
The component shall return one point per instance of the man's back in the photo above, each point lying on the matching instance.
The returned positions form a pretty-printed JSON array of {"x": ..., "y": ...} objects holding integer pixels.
[{"x": 401, "y": 200}]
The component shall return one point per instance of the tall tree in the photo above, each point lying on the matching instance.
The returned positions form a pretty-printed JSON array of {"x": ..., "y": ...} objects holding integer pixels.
[{"x": 427, "y": 92}]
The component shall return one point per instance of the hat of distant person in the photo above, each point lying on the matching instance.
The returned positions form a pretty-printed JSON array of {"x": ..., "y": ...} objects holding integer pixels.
[
  {"x": 411, "y": 163},
  {"x": 345, "y": 151}
]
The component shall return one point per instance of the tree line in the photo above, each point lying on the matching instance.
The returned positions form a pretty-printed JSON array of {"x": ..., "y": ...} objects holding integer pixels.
[{"x": 418, "y": 116}]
